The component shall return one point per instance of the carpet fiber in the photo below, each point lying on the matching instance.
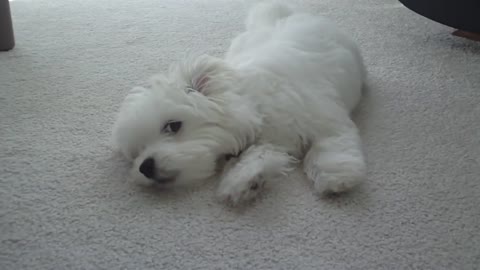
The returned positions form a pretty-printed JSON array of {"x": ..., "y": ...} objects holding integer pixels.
[{"x": 65, "y": 203}]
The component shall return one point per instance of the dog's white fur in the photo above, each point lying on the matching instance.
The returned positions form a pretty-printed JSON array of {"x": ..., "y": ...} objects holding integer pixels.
[{"x": 283, "y": 93}]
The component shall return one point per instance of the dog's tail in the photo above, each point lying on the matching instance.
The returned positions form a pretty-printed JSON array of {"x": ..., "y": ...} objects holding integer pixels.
[{"x": 266, "y": 13}]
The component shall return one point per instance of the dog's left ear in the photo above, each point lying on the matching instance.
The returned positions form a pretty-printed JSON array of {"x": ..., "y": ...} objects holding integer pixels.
[
  {"x": 199, "y": 84},
  {"x": 207, "y": 75},
  {"x": 135, "y": 94}
]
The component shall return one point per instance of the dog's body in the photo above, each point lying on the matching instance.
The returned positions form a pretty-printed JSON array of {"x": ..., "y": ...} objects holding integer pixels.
[{"x": 283, "y": 93}]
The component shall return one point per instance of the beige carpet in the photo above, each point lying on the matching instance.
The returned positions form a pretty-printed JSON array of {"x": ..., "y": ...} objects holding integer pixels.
[{"x": 64, "y": 202}]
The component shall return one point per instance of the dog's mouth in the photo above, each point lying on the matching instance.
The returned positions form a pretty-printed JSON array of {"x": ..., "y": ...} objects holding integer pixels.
[{"x": 163, "y": 180}]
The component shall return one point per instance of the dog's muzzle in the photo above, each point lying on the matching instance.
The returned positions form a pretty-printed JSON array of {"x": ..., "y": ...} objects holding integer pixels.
[{"x": 151, "y": 171}]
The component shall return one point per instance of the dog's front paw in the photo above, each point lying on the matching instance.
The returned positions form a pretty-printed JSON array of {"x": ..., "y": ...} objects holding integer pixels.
[
  {"x": 336, "y": 175},
  {"x": 236, "y": 191},
  {"x": 336, "y": 182}
]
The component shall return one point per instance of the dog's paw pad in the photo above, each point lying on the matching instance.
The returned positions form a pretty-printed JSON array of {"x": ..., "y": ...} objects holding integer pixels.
[
  {"x": 258, "y": 184},
  {"x": 241, "y": 191}
]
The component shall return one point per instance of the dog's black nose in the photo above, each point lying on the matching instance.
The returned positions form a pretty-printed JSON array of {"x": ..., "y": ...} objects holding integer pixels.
[{"x": 147, "y": 168}]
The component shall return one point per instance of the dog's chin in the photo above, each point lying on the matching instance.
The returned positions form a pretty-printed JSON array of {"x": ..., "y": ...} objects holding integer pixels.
[
  {"x": 140, "y": 181},
  {"x": 145, "y": 182},
  {"x": 166, "y": 183}
]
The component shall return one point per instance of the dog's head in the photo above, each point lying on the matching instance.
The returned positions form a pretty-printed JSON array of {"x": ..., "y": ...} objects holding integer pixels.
[{"x": 177, "y": 129}]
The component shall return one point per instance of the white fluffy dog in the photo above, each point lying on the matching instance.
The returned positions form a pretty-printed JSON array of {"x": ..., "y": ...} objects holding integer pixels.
[{"x": 283, "y": 93}]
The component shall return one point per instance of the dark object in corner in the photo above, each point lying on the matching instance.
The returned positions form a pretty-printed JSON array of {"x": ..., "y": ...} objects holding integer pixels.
[
  {"x": 7, "y": 40},
  {"x": 460, "y": 14},
  {"x": 465, "y": 34}
]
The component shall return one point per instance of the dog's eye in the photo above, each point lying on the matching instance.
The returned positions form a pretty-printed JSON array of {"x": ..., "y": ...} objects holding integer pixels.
[{"x": 172, "y": 127}]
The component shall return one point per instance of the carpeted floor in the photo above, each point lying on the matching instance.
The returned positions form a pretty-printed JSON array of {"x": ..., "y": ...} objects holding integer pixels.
[{"x": 64, "y": 202}]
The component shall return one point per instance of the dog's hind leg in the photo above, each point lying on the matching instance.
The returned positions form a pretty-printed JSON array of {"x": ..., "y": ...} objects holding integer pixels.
[
  {"x": 244, "y": 177},
  {"x": 336, "y": 163}
]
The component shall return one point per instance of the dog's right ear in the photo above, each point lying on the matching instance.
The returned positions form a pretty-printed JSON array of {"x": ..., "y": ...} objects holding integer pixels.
[
  {"x": 134, "y": 97},
  {"x": 122, "y": 133},
  {"x": 138, "y": 90},
  {"x": 135, "y": 93}
]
